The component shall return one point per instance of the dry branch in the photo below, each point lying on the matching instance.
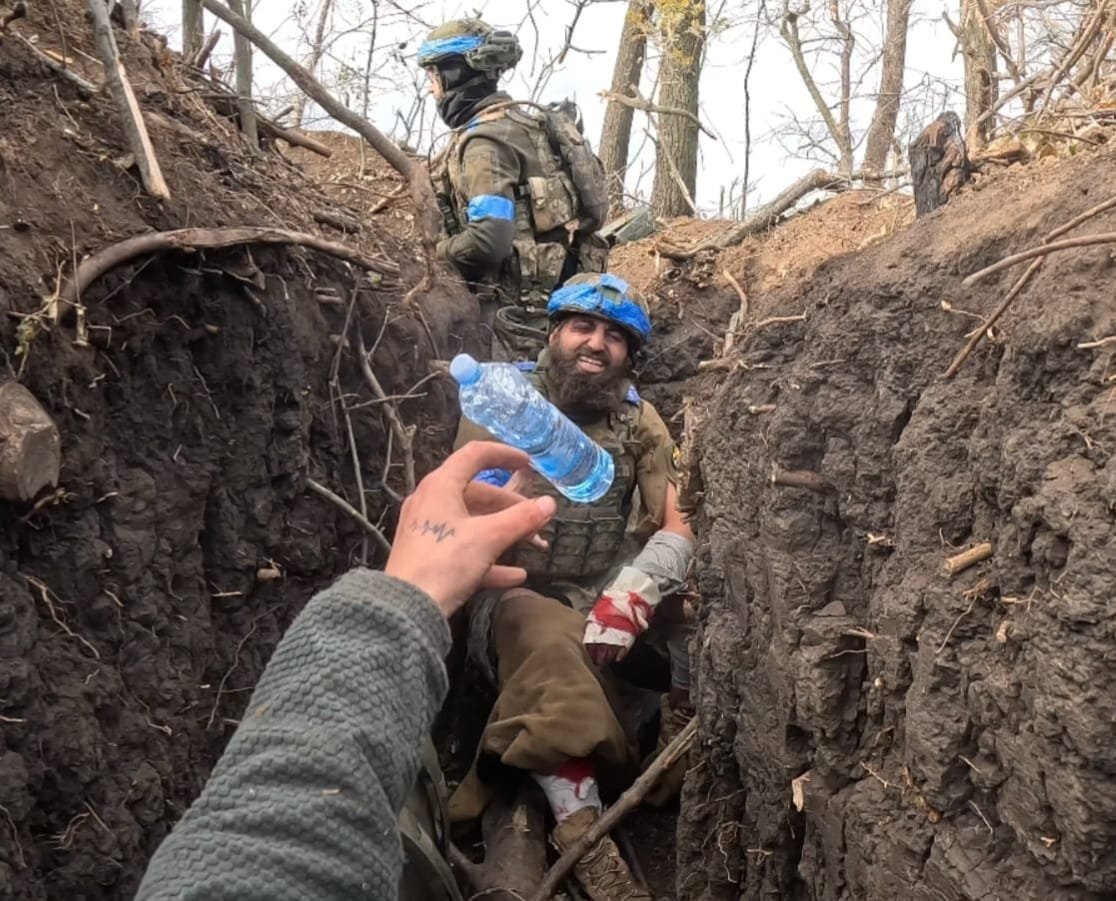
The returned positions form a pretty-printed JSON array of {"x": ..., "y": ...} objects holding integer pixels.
[
  {"x": 121, "y": 91},
  {"x": 961, "y": 562},
  {"x": 187, "y": 239},
  {"x": 202, "y": 56},
  {"x": 428, "y": 217},
  {"x": 1040, "y": 251},
  {"x": 294, "y": 138},
  {"x": 639, "y": 102},
  {"x": 69, "y": 74},
  {"x": 403, "y": 433},
  {"x": 801, "y": 478},
  {"x": 765, "y": 217},
  {"x": 1020, "y": 283},
  {"x": 344, "y": 505},
  {"x": 673, "y": 752}
]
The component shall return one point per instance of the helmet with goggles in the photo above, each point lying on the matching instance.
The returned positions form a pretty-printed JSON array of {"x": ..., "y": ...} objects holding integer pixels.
[
  {"x": 605, "y": 296},
  {"x": 483, "y": 48}
]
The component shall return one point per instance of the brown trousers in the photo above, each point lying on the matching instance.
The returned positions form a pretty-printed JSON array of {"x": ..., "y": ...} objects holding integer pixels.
[{"x": 553, "y": 703}]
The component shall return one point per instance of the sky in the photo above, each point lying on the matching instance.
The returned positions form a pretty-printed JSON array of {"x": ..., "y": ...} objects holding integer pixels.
[{"x": 778, "y": 95}]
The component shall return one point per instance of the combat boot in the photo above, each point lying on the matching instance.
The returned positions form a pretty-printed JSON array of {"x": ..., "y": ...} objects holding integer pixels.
[{"x": 601, "y": 871}]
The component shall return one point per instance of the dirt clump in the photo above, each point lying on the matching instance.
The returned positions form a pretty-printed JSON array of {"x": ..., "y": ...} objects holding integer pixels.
[
  {"x": 872, "y": 728},
  {"x": 196, "y": 395}
]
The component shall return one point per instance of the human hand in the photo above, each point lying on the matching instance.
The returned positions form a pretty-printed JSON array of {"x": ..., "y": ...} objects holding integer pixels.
[
  {"x": 621, "y": 614},
  {"x": 452, "y": 530}
]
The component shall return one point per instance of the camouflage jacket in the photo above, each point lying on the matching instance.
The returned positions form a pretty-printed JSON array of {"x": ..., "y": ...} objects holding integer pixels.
[{"x": 507, "y": 204}]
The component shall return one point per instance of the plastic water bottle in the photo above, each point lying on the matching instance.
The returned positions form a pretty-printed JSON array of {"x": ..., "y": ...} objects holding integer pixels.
[{"x": 499, "y": 397}]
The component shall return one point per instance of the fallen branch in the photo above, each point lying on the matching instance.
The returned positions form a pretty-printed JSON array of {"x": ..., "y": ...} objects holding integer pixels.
[
  {"x": 121, "y": 90},
  {"x": 961, "y": 562},
  {"x": 294, "y": 138},
  {"x": 344, "y": 505},
  {"x": 765, "y": 217},
  {"x": 801, "y": 478},
  {"x": 1040, "y": 251},
  {"x": 86, "y": 87},
  {"x": 1020, "y": 283},
  {"x": 674, "y": 751},
  {"x": 187, "y": 239}
]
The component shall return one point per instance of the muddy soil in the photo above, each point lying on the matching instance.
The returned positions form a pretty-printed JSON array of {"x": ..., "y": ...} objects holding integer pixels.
[
  {"x": 140, "y": 601},
  {"x": 872, "y": 728}
]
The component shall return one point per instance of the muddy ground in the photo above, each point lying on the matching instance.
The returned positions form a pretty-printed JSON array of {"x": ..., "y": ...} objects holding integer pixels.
[
  {"x": 139, "y": 602},
  {"x": 872, "y": 728}
]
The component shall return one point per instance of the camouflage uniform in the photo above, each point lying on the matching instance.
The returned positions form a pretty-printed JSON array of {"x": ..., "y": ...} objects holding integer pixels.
[
  {"x": 556, "y": 705},
  {"x": 511, "y": 211}
]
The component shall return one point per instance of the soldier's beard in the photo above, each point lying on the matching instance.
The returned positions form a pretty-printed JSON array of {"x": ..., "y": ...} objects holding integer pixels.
[{"x": 585, "y": 392}]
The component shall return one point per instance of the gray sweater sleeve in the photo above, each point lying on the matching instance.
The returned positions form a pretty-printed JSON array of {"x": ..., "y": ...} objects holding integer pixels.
[{"x": 303, "y": 803}]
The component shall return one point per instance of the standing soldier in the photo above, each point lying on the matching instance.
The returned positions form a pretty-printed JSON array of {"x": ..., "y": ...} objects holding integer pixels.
[{"x": 521, "y": 191}]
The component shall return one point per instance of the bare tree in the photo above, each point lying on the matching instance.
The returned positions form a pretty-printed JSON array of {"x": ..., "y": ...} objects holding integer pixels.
[
  {"x": 616, "y": 131},
  {"x": 243, "y": 53},
  {"x": 882, "y": 130},
  {"x": 193, "y": 29},
  {"x": 979, "y": 53},
  {"x": 315, "y": 56},
  {"x": 682, "y": 36}
]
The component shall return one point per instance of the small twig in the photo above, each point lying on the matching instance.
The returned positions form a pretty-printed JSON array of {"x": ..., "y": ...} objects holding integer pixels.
[
  {"x": 340, "y": 502},
  {"x": 404, "y": 433},
  {"x": 15, "y": 837},
  {"x": 673, "y": 752},
  {"x": 774, "y": 320},
  {"x": 225, "y": 678},
  {"x": 1091, "y": 345},
  {"x": 880, "y": 779},
  {"x": 956, "y": 623},
  {"x": 980, "y": 814},
  {"x": 384, "y": 202},
  {"x": 46, "y": 593},
  {"x": 961, "y": 562},
  {"x": 801, "y": 478}
]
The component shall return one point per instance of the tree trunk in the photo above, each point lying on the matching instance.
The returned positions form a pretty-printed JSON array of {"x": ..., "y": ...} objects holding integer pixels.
[
  {"x": 886, "y": 114},
  {"x": 242, "y": 49},
  {"x": 682, "y": 33},
  {"x": 193, "y": 32},
  {"x": 315, "y": 58},
  {"x": 616, "y": 133},
  {"x": 979, "y": 54}
]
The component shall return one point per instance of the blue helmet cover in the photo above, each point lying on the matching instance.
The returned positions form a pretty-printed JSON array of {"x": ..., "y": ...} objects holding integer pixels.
[
  {"x": 432, "y": 51},
  {"x": 589, "y": 299}
]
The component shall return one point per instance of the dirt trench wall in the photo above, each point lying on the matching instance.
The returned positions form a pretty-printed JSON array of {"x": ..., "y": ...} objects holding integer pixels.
[
  {"x": 952, "y": 738},
  {"x": 188, "y": 433}
]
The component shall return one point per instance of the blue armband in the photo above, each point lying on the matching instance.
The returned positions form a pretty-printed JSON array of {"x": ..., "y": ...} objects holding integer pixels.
[{"x": 490, "y": 206}]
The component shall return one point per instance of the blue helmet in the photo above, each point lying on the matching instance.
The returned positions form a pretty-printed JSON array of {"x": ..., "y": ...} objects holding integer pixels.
[
  {"x": 606, "y": 296},
  {"x": 482, "y": 47}
]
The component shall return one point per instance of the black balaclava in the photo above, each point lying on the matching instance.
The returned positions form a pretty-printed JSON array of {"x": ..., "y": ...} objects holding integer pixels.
[{"x": 463, "y": 90}]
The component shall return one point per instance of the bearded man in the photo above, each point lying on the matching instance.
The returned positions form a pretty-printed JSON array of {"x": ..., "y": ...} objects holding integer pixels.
[{"x": 592, "y": 595}]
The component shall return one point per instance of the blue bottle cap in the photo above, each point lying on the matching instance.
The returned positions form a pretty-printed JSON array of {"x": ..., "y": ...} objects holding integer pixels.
[{"x": 465, "y": 370}]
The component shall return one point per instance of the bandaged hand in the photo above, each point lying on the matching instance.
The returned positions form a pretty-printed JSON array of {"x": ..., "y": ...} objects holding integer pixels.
[{"x": 622, "y": 613}]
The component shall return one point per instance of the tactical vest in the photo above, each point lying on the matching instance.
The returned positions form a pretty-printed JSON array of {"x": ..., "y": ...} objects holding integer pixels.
[
  {"x": 587, "y": 539},
  {"x": 547, "y": 209}
]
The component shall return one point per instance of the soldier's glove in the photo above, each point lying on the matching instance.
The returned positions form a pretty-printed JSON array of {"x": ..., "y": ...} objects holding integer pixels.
[{"x": 624, "y": 609}]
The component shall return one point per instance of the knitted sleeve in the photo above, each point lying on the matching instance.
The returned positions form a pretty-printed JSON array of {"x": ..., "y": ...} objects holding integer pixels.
[{"x": 303, "y": 803}]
